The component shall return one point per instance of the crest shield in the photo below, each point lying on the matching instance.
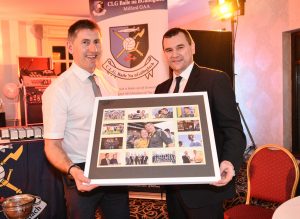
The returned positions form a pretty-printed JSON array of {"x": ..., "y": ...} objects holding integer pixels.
[{"x": 129, "y": 44}]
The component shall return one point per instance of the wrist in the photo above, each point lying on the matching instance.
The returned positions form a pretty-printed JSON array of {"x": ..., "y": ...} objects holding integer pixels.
[
  {"x": 228, "y": 164},
  {"x": 70, "y": 168}
]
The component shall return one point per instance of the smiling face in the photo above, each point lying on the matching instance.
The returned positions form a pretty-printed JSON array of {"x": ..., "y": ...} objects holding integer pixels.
[
  {"x": 144, "y": 133},
  {"x": 85, "y": 47},
  {"x": 178, "y": 52},
  {"x": 150, "y": 128},
  {"x": 187, "y": 110}
]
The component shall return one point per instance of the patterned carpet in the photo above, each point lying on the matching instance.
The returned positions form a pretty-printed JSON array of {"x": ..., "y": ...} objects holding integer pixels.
[{"x": 147, "y": 208}]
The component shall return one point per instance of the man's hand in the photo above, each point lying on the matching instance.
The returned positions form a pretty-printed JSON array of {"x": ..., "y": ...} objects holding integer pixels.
[
  {"x": 227, "y": 173},
  {"x": 82, "y": 182}
]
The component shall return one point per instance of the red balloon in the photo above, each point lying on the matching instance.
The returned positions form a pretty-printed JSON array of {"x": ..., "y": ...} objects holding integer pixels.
[{"x": 10, "y": 90}]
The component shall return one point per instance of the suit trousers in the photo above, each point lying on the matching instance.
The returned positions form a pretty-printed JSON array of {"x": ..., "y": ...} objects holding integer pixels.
[
  {"x": 113, "y": 201},
  {"x": 178, "y": 210}
]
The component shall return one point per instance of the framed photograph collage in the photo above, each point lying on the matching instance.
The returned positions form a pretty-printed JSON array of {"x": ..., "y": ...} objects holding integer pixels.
[{"x": 152, "y": 139}]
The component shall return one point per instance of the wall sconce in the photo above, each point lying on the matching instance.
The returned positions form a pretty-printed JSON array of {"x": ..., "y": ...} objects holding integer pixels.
[{"x": 225, "y": 9}]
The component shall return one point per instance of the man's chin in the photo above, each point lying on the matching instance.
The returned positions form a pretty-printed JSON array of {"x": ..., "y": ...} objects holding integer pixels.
[
  {"x": 91, "y": 67},
  {"x": 176, "y": 68}
]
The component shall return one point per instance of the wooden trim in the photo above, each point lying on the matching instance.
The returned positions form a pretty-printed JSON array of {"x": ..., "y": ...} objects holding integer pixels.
[{"x": 148, "y": 195}]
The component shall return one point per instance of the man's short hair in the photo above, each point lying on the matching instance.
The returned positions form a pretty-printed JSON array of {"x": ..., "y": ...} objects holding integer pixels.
[
  {"x": 176, "y": 30},
  {"x": 82, "y": 24},
  {"x": 190, "y": 137},
  {"x": 186, "y": 107}
]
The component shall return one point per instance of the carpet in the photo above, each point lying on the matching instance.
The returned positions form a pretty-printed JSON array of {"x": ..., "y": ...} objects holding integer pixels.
[{"x": 147, "y": 208}]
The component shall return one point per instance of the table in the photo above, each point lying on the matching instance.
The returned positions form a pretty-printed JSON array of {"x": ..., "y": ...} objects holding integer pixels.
[
  {"x": 288, "y": 210},
  {"x": 25, "y": 169}
]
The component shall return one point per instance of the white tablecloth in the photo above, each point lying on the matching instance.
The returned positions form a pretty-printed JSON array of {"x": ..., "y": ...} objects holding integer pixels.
[{"x": 288, "y": 210}]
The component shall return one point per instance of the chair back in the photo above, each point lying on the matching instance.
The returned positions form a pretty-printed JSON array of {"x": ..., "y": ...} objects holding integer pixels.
[{"x": 272, "y": 174}]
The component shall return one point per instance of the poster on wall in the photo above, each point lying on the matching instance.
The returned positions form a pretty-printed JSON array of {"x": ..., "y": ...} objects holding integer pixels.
[
  {"x": 152, "y": 140},
  {"x": 132, "y": 32}
]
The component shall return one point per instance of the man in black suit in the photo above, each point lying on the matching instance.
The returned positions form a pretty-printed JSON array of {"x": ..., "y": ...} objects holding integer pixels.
[
  {"x": 114, "y": 159},
  {"x": 204, "y": 201},
  {"x": 186, "y": 157},
  {"x": 105, "y": 160}
]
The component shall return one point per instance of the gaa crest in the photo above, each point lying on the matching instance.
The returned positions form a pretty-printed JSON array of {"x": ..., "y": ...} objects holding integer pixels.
[
  {"x": 129, "y": 44},
  {"x": 5, "y": 182}
]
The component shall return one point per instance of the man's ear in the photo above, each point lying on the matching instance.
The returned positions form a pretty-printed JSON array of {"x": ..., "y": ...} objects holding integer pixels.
[
  {"x": 193, "y": 47},
  {"x": 70, "y": 46}
]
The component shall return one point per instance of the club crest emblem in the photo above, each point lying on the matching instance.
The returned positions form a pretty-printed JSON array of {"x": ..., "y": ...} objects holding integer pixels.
[
  {"x": 5, "y": 182},
  {"x": 129, "y": 44}
]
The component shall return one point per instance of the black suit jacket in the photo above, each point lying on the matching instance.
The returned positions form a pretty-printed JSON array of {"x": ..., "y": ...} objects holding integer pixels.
[
  {"x": 228, "y": 131},
  {"x": 185, "y": 159},
  {"x": 104, "y": 162}
]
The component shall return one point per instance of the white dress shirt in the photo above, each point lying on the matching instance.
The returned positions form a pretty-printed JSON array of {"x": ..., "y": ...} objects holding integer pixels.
[
  {"x": 68, "y": 107},
  {"x": 185, "y": 76}
]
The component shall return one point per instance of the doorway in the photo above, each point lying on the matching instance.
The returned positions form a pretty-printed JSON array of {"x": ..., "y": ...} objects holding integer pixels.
[{"x": 295, "y": 43}]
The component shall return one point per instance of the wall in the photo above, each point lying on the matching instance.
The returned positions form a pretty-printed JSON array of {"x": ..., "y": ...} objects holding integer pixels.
[
  {"x": 23, "y": 36},
  {"x": 16, "y": 39},
  {"x": 262, "y": 82}
]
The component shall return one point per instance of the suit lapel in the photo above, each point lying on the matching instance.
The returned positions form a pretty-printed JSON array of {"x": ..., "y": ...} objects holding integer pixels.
[
  {"x": 193, "y": 79},
  {"x": 165, "y": 89}
]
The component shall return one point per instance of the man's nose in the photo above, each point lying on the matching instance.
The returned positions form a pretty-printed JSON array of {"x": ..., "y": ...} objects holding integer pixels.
[
  {"x": 93, "y": 47},
  {"x": 174, "y": 53}
]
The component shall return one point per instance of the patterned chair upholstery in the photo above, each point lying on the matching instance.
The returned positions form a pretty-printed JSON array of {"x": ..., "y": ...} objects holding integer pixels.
[{"x": 272, "y": 175}]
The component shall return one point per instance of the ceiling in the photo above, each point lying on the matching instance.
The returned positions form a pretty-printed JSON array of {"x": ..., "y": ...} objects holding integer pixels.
[{"x": 178, "y": 9}]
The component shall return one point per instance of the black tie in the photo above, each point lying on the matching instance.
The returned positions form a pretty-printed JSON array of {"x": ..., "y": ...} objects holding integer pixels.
[
  {"x": 96, "y": 88},
  {"x": 178, "y": 79}
]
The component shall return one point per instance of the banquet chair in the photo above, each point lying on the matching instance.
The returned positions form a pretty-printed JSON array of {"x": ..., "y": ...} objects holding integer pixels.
[{"x": 272, "y": 176}]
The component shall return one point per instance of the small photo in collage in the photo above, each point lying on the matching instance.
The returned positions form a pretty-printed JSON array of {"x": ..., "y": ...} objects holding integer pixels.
[
  {"x": 106, "y": 159},
  {"x": 188, "y": 125},
  {"x": 162, "y": 112},
  {"x": 191, "y": 156},
  {"x": 190, "y": 140},
  {"x": 163, "y": 157},
  {"x": 111, "y": 143},
  {"x": 137, "y": 114},
  {"x": 137, "y": 158},
  {"x": 187, "y": 111},
  {"x": 113, "y": 129},
  {"x": 114, "y": 114}
]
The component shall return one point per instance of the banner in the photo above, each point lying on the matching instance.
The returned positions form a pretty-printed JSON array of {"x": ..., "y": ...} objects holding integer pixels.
[
  {"x": 132, "y": 33},
  {"x": 24, "y": 169}
]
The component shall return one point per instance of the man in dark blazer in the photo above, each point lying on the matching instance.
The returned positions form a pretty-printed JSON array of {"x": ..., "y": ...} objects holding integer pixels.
[
  {"x": 204, "y": 201},
  {"x": 105, "y": 160},
  {"x": 186, "y": 157}
]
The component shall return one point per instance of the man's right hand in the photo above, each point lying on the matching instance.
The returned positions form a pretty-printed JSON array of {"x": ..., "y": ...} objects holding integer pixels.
[{"x": 82, "y": 182}]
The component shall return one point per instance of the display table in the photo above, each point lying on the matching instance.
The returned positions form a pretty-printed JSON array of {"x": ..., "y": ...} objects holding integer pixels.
[
  {"x": 25, "y": 169},
  {"x": 288, "y": 210}
]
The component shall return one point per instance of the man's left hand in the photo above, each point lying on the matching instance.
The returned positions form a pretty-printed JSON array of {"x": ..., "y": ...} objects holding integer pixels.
[{"x": 227, "y": 173}]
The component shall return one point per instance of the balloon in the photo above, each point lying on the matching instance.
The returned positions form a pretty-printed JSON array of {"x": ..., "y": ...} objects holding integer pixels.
[{"x": 10, "y": 90}]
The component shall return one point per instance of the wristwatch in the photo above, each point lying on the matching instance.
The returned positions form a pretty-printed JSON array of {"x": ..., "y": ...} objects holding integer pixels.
[{"x": 70, "y": 167}]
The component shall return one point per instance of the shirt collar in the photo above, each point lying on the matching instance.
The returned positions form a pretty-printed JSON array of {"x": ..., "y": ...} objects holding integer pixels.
[
  {"x": 80, "y": 72},
  {"x": 186, "y": 73}
]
